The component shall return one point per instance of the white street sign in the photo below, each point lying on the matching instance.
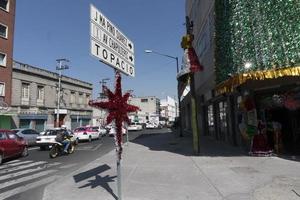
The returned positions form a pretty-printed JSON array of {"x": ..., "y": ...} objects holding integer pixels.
[{"x": 110, "y": 45}]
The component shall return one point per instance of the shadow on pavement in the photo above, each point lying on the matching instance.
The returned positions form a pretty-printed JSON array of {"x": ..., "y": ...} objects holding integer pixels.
[
  {"x": 99, "y": 180},
  {"x": 184, "y": 145}
]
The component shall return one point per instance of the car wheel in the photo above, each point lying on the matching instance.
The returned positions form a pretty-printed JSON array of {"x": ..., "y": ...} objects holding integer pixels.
[
  {"x": 90, "y": 138},
  {"x": 25, "y": 152}
]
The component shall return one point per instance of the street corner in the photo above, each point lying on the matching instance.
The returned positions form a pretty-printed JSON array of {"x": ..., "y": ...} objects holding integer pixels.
[{"x": 281, "y": 188}]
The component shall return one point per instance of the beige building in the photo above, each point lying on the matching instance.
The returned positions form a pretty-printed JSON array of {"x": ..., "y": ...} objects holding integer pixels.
[
  {"x": 34, "y": 99},
  {"x": 149, "y": 107}
]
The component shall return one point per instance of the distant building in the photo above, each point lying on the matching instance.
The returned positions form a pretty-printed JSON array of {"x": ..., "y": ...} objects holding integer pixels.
[
  {"x": 168, "y": 109},
  {"x": 150, "y": 108},
  {"x": 34, "y": 99},
  {"x": 7, "y": 21}
]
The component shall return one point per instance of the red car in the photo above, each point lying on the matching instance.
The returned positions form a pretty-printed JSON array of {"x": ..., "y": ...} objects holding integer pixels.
[{"x": 11, "y": 145}]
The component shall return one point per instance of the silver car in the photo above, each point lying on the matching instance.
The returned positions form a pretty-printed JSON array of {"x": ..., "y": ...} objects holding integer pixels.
[{"x": 29, "y": 135}]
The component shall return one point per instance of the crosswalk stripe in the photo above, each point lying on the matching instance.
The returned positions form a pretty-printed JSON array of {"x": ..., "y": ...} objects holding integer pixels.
[
  {"x": 27, "y": 178},
  {"x": 27, "y": 187},
  {"x": 15, "y": 164},
  {"x": 13, "y": 161},
  {"x": 22, "y": 167},
  {"x": 27, "y": 171}
]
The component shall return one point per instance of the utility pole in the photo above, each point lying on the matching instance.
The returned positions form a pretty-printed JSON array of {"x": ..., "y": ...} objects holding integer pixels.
[
  {"x": 102, "y": 84},
  {"x": 196, "y": 134},
  {"x": 61, "y": 66}
]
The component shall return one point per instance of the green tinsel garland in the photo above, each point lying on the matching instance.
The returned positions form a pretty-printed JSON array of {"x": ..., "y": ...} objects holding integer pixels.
[{"x": 265, "y": 33}]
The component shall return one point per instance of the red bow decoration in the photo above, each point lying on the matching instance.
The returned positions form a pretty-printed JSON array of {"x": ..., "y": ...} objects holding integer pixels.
[{"x": 117, "y": 107}]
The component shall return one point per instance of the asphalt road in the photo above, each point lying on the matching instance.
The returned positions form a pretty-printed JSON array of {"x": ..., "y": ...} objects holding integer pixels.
[{"x": 25, "y": 178}]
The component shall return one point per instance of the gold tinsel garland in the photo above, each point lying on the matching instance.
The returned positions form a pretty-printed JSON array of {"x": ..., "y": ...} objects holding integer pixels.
[{"x": 230, "y": 84}]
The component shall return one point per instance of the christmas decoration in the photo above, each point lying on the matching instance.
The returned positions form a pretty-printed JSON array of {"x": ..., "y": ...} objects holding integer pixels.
[
  {"x": 190, "y": 60},
  {"x": 118, "y": 108},
  {"x": 263, "y": 33},
  {"x": 230, "y": 84}
]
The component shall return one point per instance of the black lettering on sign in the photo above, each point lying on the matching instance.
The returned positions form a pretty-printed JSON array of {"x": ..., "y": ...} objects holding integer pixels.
[
  {"x": 118, "y": 63},
  {"x": 110, "y": 28},
  {"x": 130, "y": 70},
  {"x": 102, "y": 21},
  {"x": 122, "y": 64},
  {"x": 97, "y": 47},
  {"x": 104, "y": 54},
  {"x": 105, "y": 38},
  {"x": 112, "y": 57},
  {"x": 96, "y": 16}
]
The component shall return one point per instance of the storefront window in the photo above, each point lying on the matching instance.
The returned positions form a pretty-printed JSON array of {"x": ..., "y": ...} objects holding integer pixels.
[
  {"x": 210, "y": 115},
  {"x": 222, "y": 108}
]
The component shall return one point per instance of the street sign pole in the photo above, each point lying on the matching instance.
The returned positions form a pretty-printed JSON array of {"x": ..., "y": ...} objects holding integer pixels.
[
  {"x": 119, "y": 177},
  {"x": 112, "y": 47}
]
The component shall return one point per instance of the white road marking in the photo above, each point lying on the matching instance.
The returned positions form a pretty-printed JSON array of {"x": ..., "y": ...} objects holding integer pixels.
[
  {"x": 27, "y": 178},
  {"x": 27, "y": 171},
  {"x": 33, "y": 148},
  {"x": 15, "y": 164},
  {"x": 27, "y": 187},
  {"x": 97, "y": 147},
  {"x": 13, "y": 161},
  {"x": 22, "y": 167}
]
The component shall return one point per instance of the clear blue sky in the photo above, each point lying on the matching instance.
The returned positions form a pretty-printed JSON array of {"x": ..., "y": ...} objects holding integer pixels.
[{"x": 46, "y": 30}]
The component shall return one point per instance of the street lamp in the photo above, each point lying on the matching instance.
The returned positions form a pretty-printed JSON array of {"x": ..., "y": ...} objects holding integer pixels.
[
  {"x": 155, "y": 52},
  {"x": 176, "y": 58},
  {"x": 61, "y": 66}
]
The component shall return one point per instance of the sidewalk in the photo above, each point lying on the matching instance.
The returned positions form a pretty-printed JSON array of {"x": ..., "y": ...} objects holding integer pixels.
[{"x": 162, "y": 167}]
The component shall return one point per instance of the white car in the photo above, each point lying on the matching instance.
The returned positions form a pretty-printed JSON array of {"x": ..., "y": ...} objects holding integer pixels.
[
  {"x": 47, "y": 137},
  {"x": 112, "y": 131},
  {"x": 102, "y": 131},
  {"x": 135, "y": 127},
  {"x": 87, "y": 133},
  {"x": 150, "y": 125}
]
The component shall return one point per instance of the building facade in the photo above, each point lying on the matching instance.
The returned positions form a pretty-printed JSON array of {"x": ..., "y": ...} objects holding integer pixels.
[
  {"x": 168, "y": 109},
  {"x": 149, "y": 109},
  {"x": 34, "y": 99},
  {"x": 7, "y": 21},
  {"x": 250, "y": 75}
]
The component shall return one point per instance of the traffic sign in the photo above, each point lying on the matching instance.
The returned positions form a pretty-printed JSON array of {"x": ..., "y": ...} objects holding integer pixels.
[{"x": 109, "y": 44}]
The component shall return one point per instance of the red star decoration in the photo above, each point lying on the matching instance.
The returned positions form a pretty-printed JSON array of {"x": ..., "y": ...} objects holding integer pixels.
[{"x": 117, "y": 107}]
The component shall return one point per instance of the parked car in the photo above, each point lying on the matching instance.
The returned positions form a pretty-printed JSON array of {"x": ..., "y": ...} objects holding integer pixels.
[
  {"x": 102, "y": 131},
  {"x": 87, "y": 133},
  {"x": 112, "y": 131},
  {"x": 150, "y": 125},
  {"x": 47, "y": 137},
  {"x": 12, "y": 145},
  {"x": 28, "y": 134},
  {"x": 134, "y": 127}
]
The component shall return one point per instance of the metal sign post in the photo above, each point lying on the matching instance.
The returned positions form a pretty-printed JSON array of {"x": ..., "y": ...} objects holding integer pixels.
[{"x": 112, "y": 47}]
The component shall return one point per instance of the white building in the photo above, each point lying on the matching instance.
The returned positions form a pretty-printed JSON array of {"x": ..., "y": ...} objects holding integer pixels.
[
  {"x": 168, "y": 109},
  {"x": 149, "y": 109}
]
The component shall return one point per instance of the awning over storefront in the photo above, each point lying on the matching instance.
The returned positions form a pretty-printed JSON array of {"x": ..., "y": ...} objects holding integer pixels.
[
  {"x": 33, "y": 116},
  {"x": 230, "y": 84}
]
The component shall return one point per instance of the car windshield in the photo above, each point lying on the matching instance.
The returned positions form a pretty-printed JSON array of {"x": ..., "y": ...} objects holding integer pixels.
[
  {"x": 79, "y": 129},
  {"x": 51, "y": 132}
]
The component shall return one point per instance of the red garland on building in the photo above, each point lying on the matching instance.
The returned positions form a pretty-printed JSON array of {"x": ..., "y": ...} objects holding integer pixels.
[{"x": 117, "y": 107}]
